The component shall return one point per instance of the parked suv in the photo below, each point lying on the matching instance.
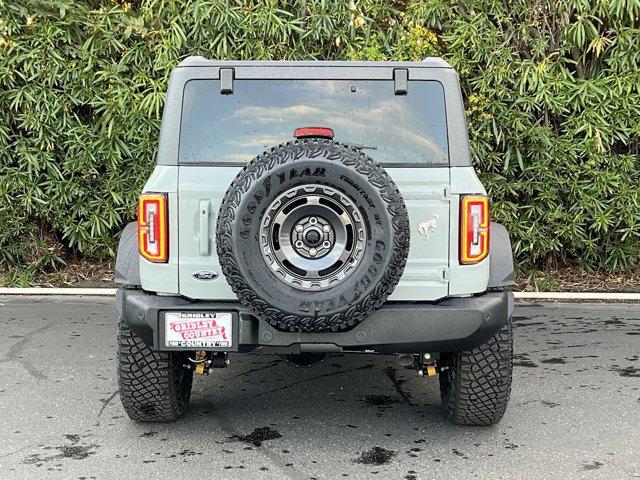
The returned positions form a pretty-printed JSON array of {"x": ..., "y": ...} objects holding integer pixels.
[{"x": 306, "y": 208}]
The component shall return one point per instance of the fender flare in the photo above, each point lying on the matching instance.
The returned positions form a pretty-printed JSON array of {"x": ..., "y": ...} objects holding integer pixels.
[
  {"x": 127, "y": 259},
  {"x": 501, "y": 270}
]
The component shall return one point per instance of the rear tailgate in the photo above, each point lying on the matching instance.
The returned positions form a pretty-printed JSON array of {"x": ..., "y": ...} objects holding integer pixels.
[
  {"x": 225, "y": 122},
  {"x": 425, "y": 191}
]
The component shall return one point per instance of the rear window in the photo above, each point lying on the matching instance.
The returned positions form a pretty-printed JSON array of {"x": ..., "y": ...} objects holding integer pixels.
[{"x": 392, "y": 129}]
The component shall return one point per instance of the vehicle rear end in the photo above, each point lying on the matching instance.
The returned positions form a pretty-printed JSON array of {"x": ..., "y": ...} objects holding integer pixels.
[{"x": 310, "y": 208}]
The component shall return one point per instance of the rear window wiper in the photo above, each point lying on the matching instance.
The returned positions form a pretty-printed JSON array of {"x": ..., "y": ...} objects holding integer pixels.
[{"x": 360, "y": 146}]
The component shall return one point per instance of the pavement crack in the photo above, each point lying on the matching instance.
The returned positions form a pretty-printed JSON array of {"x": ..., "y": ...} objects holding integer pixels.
[
  {"x": 13, "y": 355},
  {"x": 392, "y": 373},
  {"x": 276, "y": 460},
  {"x": 253, "y": 370},
  {"x": 107, "y": 401},
  {"x": 13, "y": 452},
  {"x": 299, "y": 382}
]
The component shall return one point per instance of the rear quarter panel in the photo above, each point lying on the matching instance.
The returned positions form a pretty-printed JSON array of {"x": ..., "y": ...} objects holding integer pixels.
[
  {"x": 163, "y": 277},
  {"x": 464, "y": 279}
]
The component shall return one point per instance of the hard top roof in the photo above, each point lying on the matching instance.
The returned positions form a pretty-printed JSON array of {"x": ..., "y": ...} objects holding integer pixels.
[{"x": 197, "y": 61}]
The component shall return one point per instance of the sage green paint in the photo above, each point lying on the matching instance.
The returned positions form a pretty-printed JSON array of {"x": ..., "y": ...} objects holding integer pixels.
[
  {"x": 432, "y": 196},
  {"x": 423, "y": 189},
  {"x": 425, "y": 193},
  {"x": 464, "y": 279},
  {"x": 201, "y": 184},
  {"x": 163, "y": 277}
]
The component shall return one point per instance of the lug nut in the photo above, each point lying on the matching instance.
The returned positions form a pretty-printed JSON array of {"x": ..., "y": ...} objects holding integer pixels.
[
  {"x": 326, "y": 228},
  {"x": 313, "y": 252},
  {"x": 299, "y": 244},
  {"x": 299, "y": 228},
  {"x": 313, "y": 220},
  {"x": 326, "y": 244}
]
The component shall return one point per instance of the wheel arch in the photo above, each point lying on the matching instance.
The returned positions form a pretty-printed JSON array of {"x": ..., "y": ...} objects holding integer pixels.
[
  {"x": 501, "y": 270},
  {"x": 127, "y": 259}
]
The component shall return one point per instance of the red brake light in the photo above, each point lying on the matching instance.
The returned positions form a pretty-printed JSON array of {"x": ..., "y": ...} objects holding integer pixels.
[
  {"x": 307, "y": 132},
  {"x": 474, "y": 229},
  {"x": 152, "y": 227}
]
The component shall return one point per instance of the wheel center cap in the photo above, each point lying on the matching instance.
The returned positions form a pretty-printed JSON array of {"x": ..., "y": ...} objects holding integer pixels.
[{"x": 313, "y": 238}]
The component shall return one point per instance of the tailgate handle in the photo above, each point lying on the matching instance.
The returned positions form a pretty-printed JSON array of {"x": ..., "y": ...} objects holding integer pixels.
[{"x": 203, "y": 214}]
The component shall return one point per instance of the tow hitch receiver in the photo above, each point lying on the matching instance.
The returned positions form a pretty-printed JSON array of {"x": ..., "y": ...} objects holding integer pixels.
[
  {"x": 205, "y": 361},
  {"x": 426, "y": 364}
]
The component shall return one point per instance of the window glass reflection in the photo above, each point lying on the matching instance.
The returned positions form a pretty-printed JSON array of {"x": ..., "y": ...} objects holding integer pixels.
[{"x": 263, "y": 113}]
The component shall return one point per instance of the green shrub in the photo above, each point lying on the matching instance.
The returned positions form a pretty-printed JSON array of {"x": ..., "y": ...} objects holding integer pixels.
[{"x": 551, "y": 88}]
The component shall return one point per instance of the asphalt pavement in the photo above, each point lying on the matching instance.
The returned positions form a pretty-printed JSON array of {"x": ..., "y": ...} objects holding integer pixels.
[{"x": 574, "y": 411}]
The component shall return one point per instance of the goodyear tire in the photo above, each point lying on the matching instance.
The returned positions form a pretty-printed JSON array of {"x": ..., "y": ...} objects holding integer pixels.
[
  {"x": 475, "y": 387},
  {"x": 154, "y": 386},
  {"x": 312, "y": 236}
]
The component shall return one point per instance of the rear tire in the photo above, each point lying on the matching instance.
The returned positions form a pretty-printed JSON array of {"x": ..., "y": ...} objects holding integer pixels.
[
  {"x": 154, "y": 386},
  {"x": 475, "y": 387}
]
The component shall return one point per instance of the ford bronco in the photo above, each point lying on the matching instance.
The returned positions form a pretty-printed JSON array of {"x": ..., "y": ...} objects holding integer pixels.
[{"x": 307, "y": 208}]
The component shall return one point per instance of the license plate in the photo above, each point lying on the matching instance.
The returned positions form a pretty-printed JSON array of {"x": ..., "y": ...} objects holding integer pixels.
[{"x": 195, "y": 330}]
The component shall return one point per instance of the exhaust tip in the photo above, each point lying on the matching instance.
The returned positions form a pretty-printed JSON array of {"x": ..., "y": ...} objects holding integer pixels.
[{"x": 406, "y": 360}]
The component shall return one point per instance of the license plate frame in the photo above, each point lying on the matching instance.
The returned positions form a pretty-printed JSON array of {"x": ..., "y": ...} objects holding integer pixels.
[{"x": 199, "y": 330}]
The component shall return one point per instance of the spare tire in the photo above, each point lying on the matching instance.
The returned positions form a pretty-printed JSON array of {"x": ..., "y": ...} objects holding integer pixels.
[{"x": 312, "y": 236}]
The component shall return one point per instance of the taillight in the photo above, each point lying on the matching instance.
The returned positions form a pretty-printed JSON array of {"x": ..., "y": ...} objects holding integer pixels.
[
  {"x": 307, "y": 132},
  {"x": 474, "y": 228},
  {"x": 152, "y": 227}
]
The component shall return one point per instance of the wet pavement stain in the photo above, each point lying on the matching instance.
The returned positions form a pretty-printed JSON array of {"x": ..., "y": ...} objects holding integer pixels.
[
  {"x": 614, "y": 321},
  {"x": 376, "y": 456},
  {"x": 77, "y": 452},
  {"x": 381, "y": 400},
  {"x": 592, "y": 466},
  {"x": 458, "y": 453},
  {"x": 522, "y": 360},
  {"x": 627, "y": 371},
  {"x": 258, "y": 436},
  {"x": 559, "y": 361},
  {"x": 414, "y": 452},
  {"x": 525, "y": 363},
  {"x": 188, "y": 453},
  {"x": 73, "y": 451}
]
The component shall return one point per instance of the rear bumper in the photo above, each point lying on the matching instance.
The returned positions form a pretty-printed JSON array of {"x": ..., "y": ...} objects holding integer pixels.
[{"x": 452, "y": 324}]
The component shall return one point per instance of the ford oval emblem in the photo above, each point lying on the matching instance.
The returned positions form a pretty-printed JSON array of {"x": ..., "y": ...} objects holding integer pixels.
[{"x": 205, "y": 275}]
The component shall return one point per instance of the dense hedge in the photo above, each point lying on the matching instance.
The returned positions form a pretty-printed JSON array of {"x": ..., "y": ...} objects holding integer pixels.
[{"x": 551, "y": 90}]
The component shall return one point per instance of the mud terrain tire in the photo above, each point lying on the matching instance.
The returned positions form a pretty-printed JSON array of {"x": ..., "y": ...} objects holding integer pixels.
[
  {"x": 342, "y": 169},
  {"x": 476, "y": 386},
  {"x": 154, "y": 386}
]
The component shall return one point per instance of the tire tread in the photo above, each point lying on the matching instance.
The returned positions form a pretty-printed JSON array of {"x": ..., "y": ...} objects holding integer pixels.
[
  {"x": 154, "y": 386},
  {"x": 475, "y": 388}
]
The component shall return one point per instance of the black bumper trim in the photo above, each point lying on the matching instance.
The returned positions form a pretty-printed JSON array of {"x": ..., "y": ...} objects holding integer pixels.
[{"x": 452, "y": 324}]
